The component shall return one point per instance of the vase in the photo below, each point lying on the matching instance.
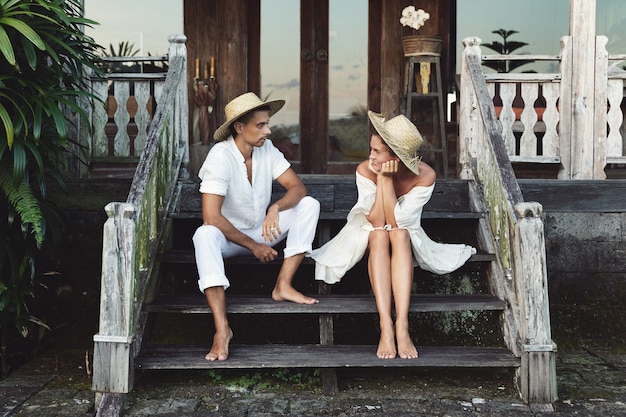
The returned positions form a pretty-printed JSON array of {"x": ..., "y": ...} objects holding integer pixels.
[{"x": 421, "y": 45}]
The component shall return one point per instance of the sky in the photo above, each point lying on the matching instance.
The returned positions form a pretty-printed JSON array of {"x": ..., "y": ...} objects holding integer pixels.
[{"x": 144, "y": 23}]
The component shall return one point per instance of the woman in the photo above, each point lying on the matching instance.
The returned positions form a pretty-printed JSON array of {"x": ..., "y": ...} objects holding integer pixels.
[{"x": 393, "y": 187}]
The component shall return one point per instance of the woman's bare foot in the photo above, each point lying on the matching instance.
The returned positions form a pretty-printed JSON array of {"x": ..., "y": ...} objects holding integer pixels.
[
  {"x": 288, "y": 293},
  {"x": 219, "y": 350},
  {"x": 386, "y": 345},
  {"x": 406, "y": 348}
]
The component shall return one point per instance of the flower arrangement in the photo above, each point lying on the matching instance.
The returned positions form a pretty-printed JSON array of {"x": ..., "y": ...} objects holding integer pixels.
[
  {"x": 417, "y": 44},
  {"x": 414, "y": 18}
]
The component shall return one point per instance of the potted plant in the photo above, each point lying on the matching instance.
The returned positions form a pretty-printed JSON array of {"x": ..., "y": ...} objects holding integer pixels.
[{"x": 418, "y": 44}]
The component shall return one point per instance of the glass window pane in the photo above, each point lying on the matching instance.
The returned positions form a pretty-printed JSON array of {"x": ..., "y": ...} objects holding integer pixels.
[
  {"x": 347, "y": 74},
  {"x": 611, "y": 22},
  {"x": 143, "y": 25},
  {"x": 280, "y": 70},
  {"x": 539, "y": 23}
]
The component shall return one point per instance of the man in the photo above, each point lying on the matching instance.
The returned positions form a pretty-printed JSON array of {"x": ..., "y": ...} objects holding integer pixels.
[{"x": 236, "y": 186}]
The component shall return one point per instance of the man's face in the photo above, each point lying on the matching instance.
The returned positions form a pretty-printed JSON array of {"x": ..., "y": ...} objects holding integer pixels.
[{"x": 257, "y": 129}]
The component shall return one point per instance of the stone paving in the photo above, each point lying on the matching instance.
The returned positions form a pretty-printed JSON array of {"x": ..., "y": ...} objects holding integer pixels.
[{"x": 591, "y": 382}]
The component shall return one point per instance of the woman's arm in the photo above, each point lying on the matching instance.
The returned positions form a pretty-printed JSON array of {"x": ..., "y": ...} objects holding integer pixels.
[{"x": 376, "y": 215}]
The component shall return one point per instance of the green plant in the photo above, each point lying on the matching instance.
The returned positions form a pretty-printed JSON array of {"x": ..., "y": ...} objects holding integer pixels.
[
  {"x": 124, "y": 49},
  {"x": 505, "y": 47},
  {"x": 43, "y": 55}
]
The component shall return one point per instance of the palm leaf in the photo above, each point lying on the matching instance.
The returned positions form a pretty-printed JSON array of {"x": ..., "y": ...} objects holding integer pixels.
[
  {"x": 5, "y": 47},
  {"x": 25, "y": 30}
]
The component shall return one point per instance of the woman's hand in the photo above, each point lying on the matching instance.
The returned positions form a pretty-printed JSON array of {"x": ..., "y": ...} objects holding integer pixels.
[
  {"x": 371, "y": 167},
  {"x": 389, "y": 168}
]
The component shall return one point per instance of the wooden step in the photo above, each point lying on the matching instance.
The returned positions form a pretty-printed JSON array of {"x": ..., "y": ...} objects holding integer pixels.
[
  {"x": 337, "y": 194},
  {"x": 329, "y": 304},
  {"x": 187, "y": 256},
  {"x": 343, "y": 214},
  {"x": 322, "y": 356}
]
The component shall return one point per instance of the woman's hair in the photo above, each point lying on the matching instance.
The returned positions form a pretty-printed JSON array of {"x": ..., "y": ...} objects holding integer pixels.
[{"x": 246, "y": 118}]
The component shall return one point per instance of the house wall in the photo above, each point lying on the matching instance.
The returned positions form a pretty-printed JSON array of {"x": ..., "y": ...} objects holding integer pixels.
[
  {"x": 585, "y": 233},
  {"x": 586, "y": 260}
]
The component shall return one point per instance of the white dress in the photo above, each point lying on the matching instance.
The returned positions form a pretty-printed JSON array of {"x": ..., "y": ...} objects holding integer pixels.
[{"x": 341, "y": 253}]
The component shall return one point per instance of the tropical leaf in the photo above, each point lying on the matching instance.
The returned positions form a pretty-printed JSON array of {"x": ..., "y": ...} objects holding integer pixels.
[
  {"x": 25, "y": 30},
  {"x": 25, "y": 203},
  {"x": 5, "y": 47}
]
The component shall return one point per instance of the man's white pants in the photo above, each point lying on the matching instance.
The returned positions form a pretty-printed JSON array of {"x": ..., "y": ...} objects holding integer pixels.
[{"x": 298, "y": 224}]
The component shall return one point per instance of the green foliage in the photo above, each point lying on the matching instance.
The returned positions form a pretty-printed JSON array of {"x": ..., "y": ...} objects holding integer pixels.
[
  {"x": 43, "y": 57},
  {"x": 124, "y": 49},
  {"x": 505, "y": 47}
]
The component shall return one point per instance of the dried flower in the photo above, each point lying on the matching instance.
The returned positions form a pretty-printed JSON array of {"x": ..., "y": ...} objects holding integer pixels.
[{"x": 414, "y": 18}]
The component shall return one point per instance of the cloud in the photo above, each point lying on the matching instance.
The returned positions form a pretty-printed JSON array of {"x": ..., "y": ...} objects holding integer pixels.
[{"x": 293, "y": 83}]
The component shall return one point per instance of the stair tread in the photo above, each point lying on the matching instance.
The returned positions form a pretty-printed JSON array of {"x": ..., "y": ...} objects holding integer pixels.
[
  {"x": 323, "y": 356},
  {"x": 329, "y": 304},
  {"x": 342, "y": 214},
  {"x": 187, "y": 256}
]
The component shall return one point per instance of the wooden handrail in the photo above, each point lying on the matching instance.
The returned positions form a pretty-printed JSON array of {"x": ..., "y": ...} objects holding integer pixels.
[
  {"x": 134, "y": 229},
  {"x": 513, "y": 229}
]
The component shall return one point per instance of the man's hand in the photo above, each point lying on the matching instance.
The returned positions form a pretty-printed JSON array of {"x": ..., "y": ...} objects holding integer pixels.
[
  {"x": 264, "y": 253},
  {"x": 271, "y": 230}
]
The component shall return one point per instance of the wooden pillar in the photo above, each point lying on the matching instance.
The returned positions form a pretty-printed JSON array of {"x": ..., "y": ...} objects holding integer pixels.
[
  {"x": 391, "y": 60},
  {"x": 113, "y": 354},
  {"x": 538, "y": 368},
  {"x": 469, "y": 112},
  {"x": 582, "y": 31},
  {"x": 181, "y": 115}
]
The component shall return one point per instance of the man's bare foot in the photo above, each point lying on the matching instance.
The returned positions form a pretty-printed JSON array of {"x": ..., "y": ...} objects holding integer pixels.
[
  {"x": 386, "y": 345},
  {"x": 219, "y": 350},
  {"x": 406, "y": 348},
  {"x": 288, "y": 293}
]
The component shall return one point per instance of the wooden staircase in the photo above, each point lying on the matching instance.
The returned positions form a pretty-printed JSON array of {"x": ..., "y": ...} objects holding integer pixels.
[{"x": 340, "y": 331}]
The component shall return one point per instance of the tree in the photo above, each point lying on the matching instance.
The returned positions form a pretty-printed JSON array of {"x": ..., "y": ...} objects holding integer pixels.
[
  {"x": 43, "y": 55},
  {"x": 505, "y": 47}
]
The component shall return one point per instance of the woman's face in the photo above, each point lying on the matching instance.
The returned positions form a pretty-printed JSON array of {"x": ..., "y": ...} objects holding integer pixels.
[{"x": 379, "y": 152}]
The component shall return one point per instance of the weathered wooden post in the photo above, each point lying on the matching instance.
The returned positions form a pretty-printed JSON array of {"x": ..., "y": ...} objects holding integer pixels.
[
  {"x": 538, "y": 368},
  {"x": 584, "y": 86},
  {"x": 181, "y": 115},
  {"x": 113, "y": 353},
  {"x": 469, "y": 110}
]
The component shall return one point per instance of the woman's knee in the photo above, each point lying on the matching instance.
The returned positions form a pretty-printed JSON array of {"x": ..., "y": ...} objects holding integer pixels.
[
  {"x": 399, "y": 237},
  {"x": 378, "y": 239}
]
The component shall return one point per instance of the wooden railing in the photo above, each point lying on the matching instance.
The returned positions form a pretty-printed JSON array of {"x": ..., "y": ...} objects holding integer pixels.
[
  {"x": 118, "y": 117},
  {"x": 135, "y": 228},
  {"x": 513, "y": 230},
  {"x": 535, "y": 112}
]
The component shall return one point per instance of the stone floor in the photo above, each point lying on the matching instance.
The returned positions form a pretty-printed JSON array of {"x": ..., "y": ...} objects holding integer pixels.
[{"x": 591, "y": 382}]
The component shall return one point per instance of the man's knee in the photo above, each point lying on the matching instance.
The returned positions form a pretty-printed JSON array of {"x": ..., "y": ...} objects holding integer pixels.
[
  {"x": 207, "y": 234},
  {"x": 310, "y": 205}
]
